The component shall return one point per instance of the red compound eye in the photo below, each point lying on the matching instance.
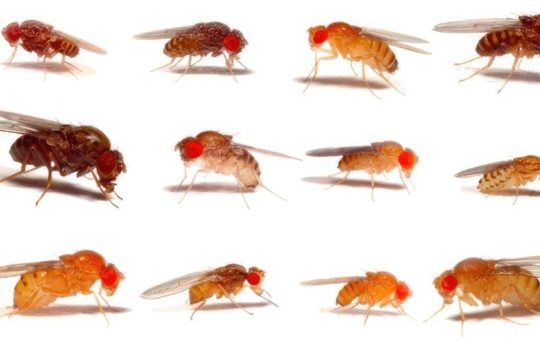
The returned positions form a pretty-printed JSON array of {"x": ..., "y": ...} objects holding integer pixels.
[
  {"x": 193, "y": 149},
  {"x": 231, "y": 43},
  {"x": 109, "y": 277},
  {"x": 449, "y": 283},
  {"x": 402, "y": 291},
  {"x": 12, "y": 32},
  {"x": 407, "y": 159},
  {"x": 107, "y": 163},
  {"x": 253, "y": 278},
  {"x": 320, "y": 36}
]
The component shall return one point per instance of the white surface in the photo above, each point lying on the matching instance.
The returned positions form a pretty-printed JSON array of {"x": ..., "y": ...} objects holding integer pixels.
[{"x": 316, "y": 233}]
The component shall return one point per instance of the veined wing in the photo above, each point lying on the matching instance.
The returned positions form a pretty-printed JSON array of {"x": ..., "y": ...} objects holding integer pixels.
[
  {"x": 346, "y": 150},
  {"x": 180, "y": 284},
  {"x": 477, "y": 25},
  {"x": 396, "y": 39},
  {"x": 332, "y": 280},
  {"x": 263, "y": 151},
  {"x": 21, "y": 268},
  {"x": 482, "y": 169},
  {"x": 82, "y": 43},
  {"x": 531, "y": 264},
  {"x": 19, "y": 123},
  {"x": 165, "y": 33}
]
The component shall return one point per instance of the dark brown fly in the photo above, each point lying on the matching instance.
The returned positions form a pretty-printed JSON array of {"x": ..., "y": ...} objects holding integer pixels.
[{"x": 64, "y": 148}]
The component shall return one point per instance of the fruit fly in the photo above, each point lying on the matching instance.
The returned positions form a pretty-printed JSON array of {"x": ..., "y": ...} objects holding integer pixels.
[
  {"x": 213, "y": 151},
  {"x": 375, "y": 288},
  {"x": 374, "y": 159},
  {"x": 63, "y": 148},
  {"x": 500, "y": 176},
  {"x": 201, "y": 39},
  {"x": 46, "y": 42},
  {"x": 519, "y": 37},
  {"x": 41, "y": 283},
  {"x": 360, "y": 44},
  {"x": 474, "y": 280},
  {"x": 225, "y": 281}
]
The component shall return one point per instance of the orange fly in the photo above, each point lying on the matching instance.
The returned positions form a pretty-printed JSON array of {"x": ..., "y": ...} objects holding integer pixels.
[
  {"x": 225, "y": 281},
  {"x": 475, "y": 280},
  {"x": 519, "y": 37},
  {"x": 41, "y": 283},
  {"x": 359, "y": 44},
  {"x": 374, "y": 159},
  {"x": 375, "y": 288}
]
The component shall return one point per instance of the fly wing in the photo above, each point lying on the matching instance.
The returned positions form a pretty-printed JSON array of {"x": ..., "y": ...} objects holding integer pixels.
[
  {"x": 82, "y": 43},
  {"x": 165, "y": 33},
  {"x": 263, "y": 151},
  {"x": 531, "y": 264},
  {"x": 396, "y": 39},
  {"x": 21, "y": 268},
  {"x": 477, "y": 25},
  {"x": 180, "y": 284},
  {"x": 329, "y": 281},
  {"x": 482, "y": 169},
  {"x": 346, "y": 150},
  {"x": 19, "y": 123}
]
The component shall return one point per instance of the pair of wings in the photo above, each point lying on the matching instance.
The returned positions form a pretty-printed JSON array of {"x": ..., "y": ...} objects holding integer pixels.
[
  {"x": 485, "y": 168},
  {"x": 264, "y": 151},
  {"x": 341, "y": 151},
  {"x": 168, "y": 33},
  {"x": 478, "y": 25},
  {"x": 24, "y": 124},
  {"x": 80, "y": 42},
  {"x": 394, "y": 38},
  {"x": 181, "y": 284}
]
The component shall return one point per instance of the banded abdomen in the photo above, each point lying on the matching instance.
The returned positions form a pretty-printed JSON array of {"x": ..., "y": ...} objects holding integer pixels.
[
  {"x": 375, "y": 53},
  {"x": 65, "y": 47},
  {"x": 39, "y": 288},
  {"x": 30, "y": 150},
  {"x": 520, "y": 172},
  {"x": 498, "y": 43},
  {"x": 234, "y": 161},
  {"x": 206, "y": 290},
  {"x": 179, "y": 47}
]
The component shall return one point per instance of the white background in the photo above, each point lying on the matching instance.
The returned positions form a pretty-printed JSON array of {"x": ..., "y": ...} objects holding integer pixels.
[{"x": 316, "y": 232}]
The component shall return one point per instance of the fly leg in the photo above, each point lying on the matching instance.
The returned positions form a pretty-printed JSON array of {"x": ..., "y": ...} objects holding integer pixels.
[
  {"x": 265, "y": 187},
  {"x": 517, "y": 194},
  {"x": 461, "y": 314},
  {"x": 232, "y": 300},
  {"x": 190, "y": 185},
  {"x": 403, "y": 180},
  {"x": 315, "y": 68},
  {"x": 367, "y": 314},
  {"x": 100, "y": 307},
  {"x": 366, "y": 83},
  {"x": 239, "y": 186},
  {"x": 341, "y": 180},
  {"x": 49, "y": 178},
  {"x": 197, "y": 308},
  {"x": 480, "y": 70},
  {"x": 229, "y": 66},
  {"x": 171, "y": 64},
  {"x": 515, "y": 66},
  {"x": 188, "y": 68},
  {"x": 67, "y": 66},
  {"x": 351, "y": 306},
  {"x": 381, "y": 74},
  {"x": 107, "y": 197},
  {"x": 23, "y": 166},
  {"x": 11, "y": 57}
]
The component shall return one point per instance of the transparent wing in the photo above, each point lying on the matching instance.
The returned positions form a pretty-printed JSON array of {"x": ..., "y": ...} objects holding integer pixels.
[
  {"x": 19, "y": 123},
  {"x": 82, "y": 43},
  {"x": 531, "y": 264},
  {"x": 180, "y": 284},
  {"x": 477, "y": 25},
  {"x": 21, "y": 268},
  {"x": 263, "y": 151},
  {"x": 346, "y": 150},
  {"x": 396, "y": 39},
  {"x": 482, "y": 169},
  {"x": 164, "y": 33},
  {"x": 329, "y": 281}
]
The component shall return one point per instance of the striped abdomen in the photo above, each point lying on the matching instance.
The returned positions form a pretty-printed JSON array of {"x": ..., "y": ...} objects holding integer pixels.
[
  {"x": 31, "y": 289},
  {"x": 237, "y": 162},
  {"x": 179, "y": 47},
  {"x": 523, "y": 170},
  {"x": 65, "y": 47},
  {"x": 351, "y": 291},
  {"x": 500, "y": 42},
  {"x": 202, "y": 291},
  {"x": 30, "y": 150},
  {"x": 381, "y": 55},
  {"x": 526, "y": 291}
]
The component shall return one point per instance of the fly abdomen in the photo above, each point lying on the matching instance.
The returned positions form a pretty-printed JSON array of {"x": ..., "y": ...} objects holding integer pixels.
[
  {"x": 384, "y": 55},
  {"x": 28, "y": 293},
  {"x": 499, "y": 42},
  {"x": 29, "y": 150},
  {"x": 496, "y": 180},
  {"x": 65, "y": 47},
  {"x": 351, "y": 291},
  {"x": 179, "y": 47}
]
